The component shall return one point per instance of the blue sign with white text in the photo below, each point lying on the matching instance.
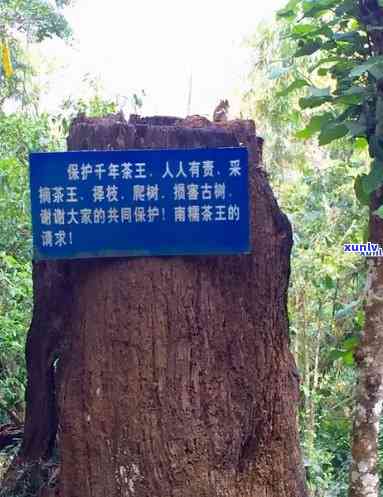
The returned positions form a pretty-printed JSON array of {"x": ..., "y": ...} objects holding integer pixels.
[{"x": 140, "y": 203}]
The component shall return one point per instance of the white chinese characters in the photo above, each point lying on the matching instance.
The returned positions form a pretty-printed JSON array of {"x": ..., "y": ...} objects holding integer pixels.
[
  {"x": 126, "y": 171},
  {"x": 191, "y": 196}
]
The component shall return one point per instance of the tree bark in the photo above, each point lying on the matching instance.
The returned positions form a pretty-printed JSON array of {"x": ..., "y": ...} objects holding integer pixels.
[
  {"x": 364, "y": 478},
  {"x": 174, "y": 376}
]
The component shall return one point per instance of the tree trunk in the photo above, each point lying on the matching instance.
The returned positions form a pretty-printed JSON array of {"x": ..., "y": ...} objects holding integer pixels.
[
  {"x": 364, "y": 479},
  {"x": 174, "y": 377}
]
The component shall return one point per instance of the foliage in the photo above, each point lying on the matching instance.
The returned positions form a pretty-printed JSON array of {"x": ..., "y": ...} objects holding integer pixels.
[
  {"x": 18, "y": 135},
  {"x": 315, "y": 188},
  {"x": 344, "y": 40},
  {"x": 37, "y": 19},
  {"x": 95, "y": 104},
  {"x": 19, "y": 86},
  {"x": 22, "y": 22}
]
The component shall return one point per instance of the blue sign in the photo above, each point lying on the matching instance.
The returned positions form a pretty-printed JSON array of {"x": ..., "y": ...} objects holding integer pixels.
[{"x": 140, "y": 203}]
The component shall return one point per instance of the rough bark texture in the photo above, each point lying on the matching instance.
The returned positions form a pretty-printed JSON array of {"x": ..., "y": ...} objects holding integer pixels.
[
  {"x": 364, "y": 479},
  {"x": 52, "y": 288},
  {"x": 175, "y": 377}
]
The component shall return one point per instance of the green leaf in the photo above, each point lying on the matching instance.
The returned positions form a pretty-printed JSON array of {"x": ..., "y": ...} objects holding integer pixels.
[
  {"x": 312, "y": 102},
  {"x": 288, "y": 12},
  {"x": 351, "y": 343},
  {"x": 374, "y": 179},
  {"x": 318, "y": 7},
  {"x": 328, "y": 282},
  {"x": 295, "y": 85},
  {"x": 356, "y": 128},
  {"x": 308, "y": 48},
  {"x": 352, "y": 96},
  {"x": 361, "y": 195},
  {"x": 356, "y": 90},
  {"x": 304, "y": 29},
  {"x": 361, "y": 143},
  {"x": 326, "y": 60},
  {"x": 336, "y": 354},
  {"x": 314, "y": 126},
  {"x": 331, "y": 133},
  {"x": 317, "y": 97},
  {"x": 348, "y": 358}
]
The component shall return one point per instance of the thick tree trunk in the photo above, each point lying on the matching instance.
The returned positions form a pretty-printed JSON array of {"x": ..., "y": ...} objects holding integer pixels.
[
  {"x": 364, "y": 479},
  {"x": 175, "y": 377}
]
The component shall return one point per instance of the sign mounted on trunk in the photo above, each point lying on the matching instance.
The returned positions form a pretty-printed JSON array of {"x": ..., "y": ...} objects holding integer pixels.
[{"x": 140, "y": 203}]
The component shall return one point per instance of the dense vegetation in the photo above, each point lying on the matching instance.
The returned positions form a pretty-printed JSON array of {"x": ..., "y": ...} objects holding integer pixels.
[
  {"x": 314, "y": 186},
  {"x": 329, "y": 52}
]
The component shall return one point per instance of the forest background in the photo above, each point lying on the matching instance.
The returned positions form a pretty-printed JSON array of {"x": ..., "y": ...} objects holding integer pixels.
[{"x": 314, "y": 185}]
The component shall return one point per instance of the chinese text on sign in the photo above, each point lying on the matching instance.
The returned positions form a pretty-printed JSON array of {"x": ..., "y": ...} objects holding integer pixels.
[{"x": 140, "y": 202}]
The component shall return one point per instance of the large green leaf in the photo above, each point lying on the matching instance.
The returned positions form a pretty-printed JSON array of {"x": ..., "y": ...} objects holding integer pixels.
[
  {"x": 295, "y": 85},
  {"x": 308, "y": 48},
  {"x": 351, "y": 343},
  {"x": 332, "y": 132},
  {"x": 361, "y": 143},
  {"x": 315, "y": 125},
  {"x": 374, "y": 179},
  {"x": 312, "y": 102},
  {"x": 356, "y": 128},
  {"x": 361, "y": 195},
  {"x": 304, "y": 29},
  {"x": 289, "y": 11},
  {"x": 328, "y": 282},
  {"x": 348, "y": 358},
  {"x": 316, "y": 8},
  {"x": 317, "y": 97}
]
